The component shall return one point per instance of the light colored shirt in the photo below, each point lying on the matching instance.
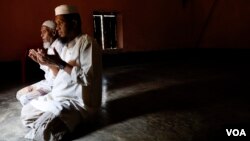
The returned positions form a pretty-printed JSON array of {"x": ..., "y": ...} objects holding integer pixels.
[
  {"x": 48, "y": 74},
  {"x": 82, "y": 88}
]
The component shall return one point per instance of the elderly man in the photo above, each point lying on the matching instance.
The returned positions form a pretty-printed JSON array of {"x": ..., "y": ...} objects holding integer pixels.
[
  {"x": 50, "y": 41},
  {"x": 76, "y": 92}
]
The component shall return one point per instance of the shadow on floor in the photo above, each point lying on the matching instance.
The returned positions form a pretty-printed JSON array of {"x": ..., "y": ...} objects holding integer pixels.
[{"x": 201, "y": 96}]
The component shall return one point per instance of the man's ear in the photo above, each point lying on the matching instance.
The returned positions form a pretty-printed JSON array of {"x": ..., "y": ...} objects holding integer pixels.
[
  {"x": 54, "y": 33},
  {"x": 74, "y": 23}
]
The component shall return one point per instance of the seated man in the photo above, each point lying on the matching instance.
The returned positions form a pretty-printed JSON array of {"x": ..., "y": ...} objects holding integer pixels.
[
  {"x": 50, "y": 41},
  {"x": 76, "y": 92}
]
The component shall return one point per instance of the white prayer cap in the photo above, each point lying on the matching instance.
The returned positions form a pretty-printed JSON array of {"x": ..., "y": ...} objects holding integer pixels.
[
  {"x": 65, "y": 9},
  {"x": 50, "y": 24}
]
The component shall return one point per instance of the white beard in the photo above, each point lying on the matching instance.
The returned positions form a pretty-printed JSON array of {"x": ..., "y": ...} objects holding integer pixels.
[{"x": 46, "y": 45}]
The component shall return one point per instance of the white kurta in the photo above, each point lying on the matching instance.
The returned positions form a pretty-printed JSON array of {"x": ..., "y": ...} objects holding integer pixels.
[
  {"x": 85, "y": 79},
  {"x": 44, "y": 86},
  {"x": 48, "y": 75}
]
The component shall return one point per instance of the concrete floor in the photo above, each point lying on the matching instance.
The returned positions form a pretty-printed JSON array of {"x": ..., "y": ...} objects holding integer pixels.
[{"x": 156, "y": 102}]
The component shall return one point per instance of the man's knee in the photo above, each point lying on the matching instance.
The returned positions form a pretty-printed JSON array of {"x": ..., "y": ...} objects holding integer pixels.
[
  {"x": 25, "y": 90},
  {"x": 29, "y": 114},
  {"x": 19, "y": 94}
]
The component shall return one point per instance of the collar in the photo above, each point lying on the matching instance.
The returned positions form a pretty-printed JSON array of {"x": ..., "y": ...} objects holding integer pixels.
[{"x": 73, "y": 42}]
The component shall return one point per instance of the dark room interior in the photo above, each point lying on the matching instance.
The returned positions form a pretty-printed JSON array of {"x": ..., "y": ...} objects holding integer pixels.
[{"x": 175, "y": 70}]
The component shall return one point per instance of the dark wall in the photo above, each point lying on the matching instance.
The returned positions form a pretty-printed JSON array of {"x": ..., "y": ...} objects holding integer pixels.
[{"x": 147, "y": 25}]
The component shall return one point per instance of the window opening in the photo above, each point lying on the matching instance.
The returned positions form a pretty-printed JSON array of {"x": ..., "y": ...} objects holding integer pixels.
[{"x": 105, "y": 29}]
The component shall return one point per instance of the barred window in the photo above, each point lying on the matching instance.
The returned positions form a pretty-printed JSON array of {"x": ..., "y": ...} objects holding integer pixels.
[{"x": 105, "y": 29}]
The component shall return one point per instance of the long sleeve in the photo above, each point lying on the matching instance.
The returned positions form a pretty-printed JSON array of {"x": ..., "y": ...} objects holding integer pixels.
[
  {"x": 83, "y": 72},
  {"x": 82, "y": 87}
]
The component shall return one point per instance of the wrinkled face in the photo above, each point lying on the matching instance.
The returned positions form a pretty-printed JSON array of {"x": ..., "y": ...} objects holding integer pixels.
[{"x": 46, "y": 34}]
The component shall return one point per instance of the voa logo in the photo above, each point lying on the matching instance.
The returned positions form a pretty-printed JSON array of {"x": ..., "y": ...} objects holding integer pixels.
[{"x": 236, "y": 132}]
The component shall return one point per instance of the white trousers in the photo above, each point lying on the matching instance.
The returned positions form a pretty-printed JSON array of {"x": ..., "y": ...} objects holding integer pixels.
[
  {"x": 45, "y": 126},
  {"x": 26, "y": 94}
]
